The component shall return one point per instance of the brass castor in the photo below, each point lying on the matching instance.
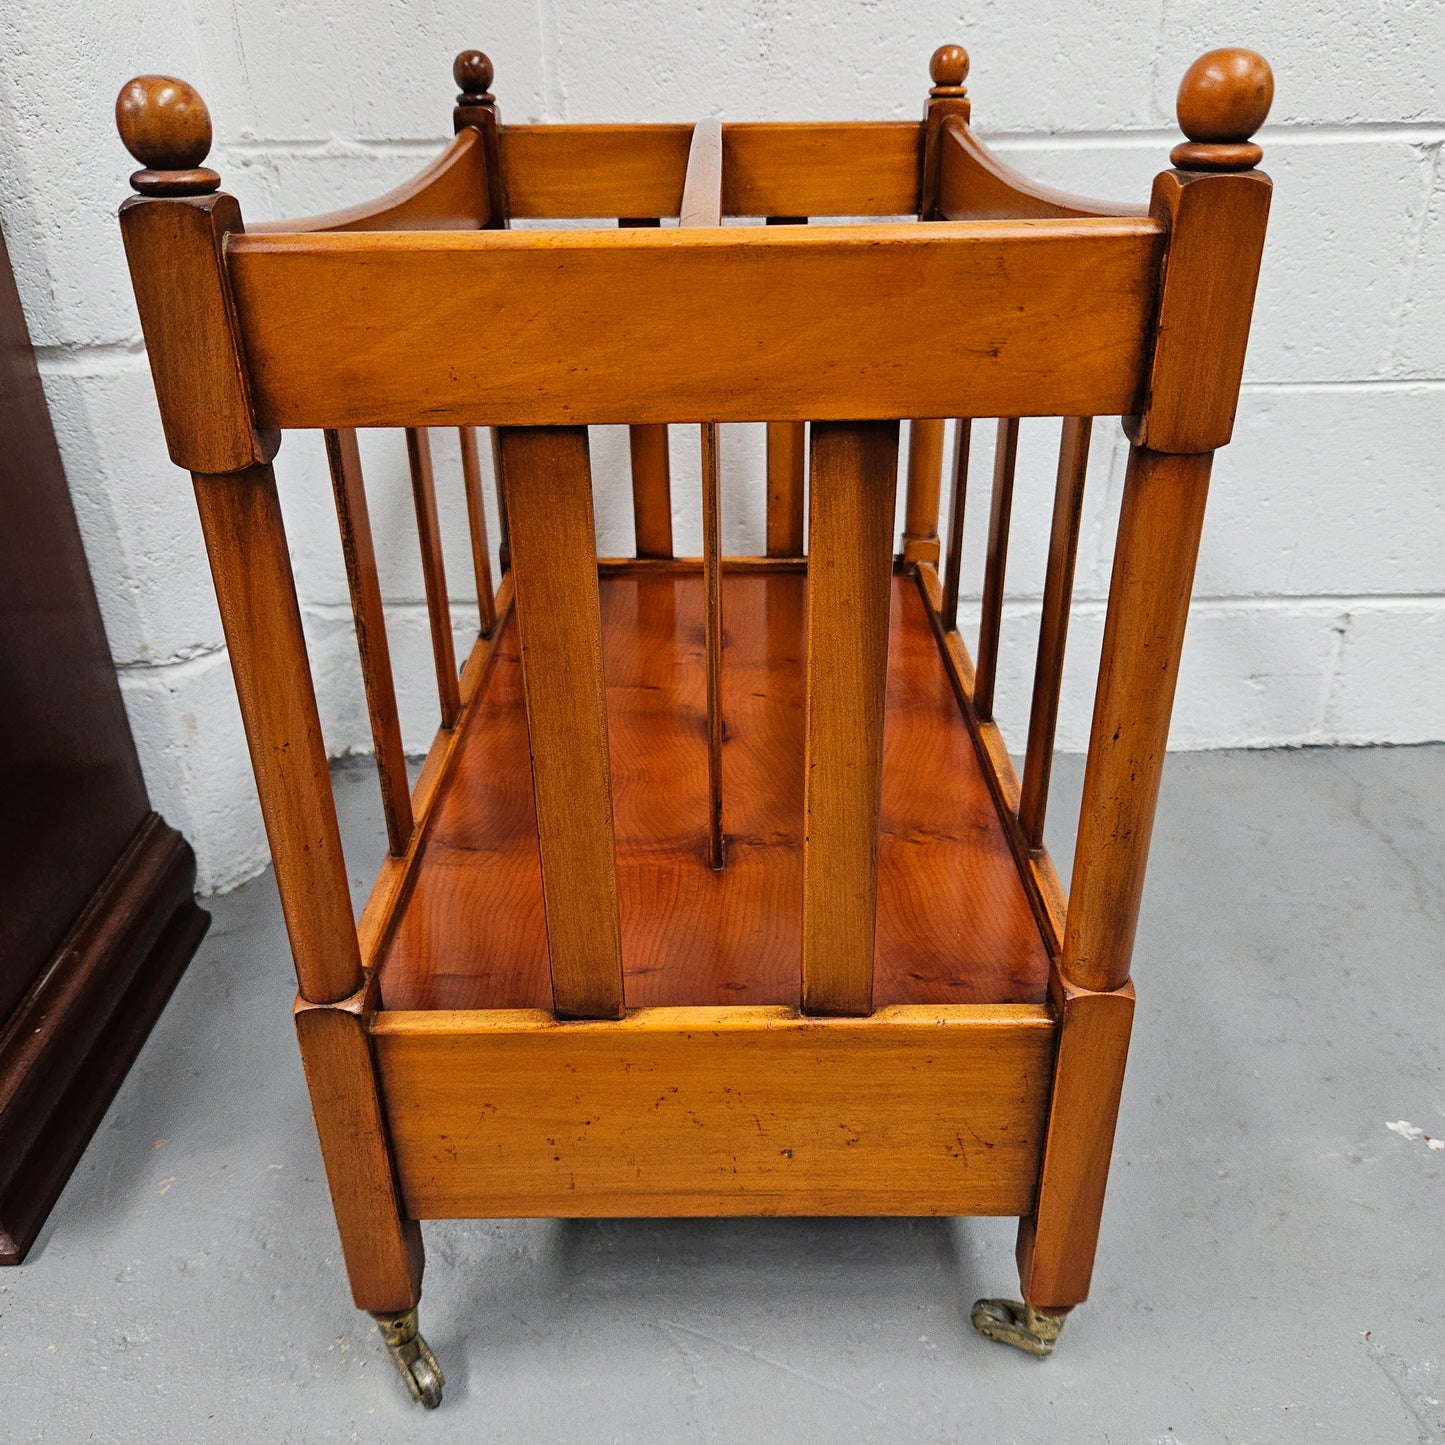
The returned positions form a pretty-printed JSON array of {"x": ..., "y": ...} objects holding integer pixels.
[
  {"x": 412, "y": 1357},
  {"x": 1020, "y": 1325}
]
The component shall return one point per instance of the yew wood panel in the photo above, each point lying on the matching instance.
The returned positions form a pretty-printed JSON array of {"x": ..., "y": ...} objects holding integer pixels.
[
  {"x": 805, "y": 168},
  {"x": 733, "y": 1111},
  {"x": 776, "y": 323},
  {"x": 560, "y": 172},
  {"x": 954, "y": 923}
]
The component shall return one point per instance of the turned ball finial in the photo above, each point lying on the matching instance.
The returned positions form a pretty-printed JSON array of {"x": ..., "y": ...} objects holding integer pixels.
[
  {"x": 1223, "y": 99},
  {"x": 948, "y": 69},
  {"x": 472, "y": 70},
  {"x": 165, "y": 125}
]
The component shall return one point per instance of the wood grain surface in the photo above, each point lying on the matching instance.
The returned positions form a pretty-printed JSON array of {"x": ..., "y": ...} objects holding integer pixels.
[{"x": 954, "y": 924}]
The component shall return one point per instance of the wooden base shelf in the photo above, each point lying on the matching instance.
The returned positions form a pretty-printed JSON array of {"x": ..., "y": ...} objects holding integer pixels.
[{"x": 955, "y": 925}]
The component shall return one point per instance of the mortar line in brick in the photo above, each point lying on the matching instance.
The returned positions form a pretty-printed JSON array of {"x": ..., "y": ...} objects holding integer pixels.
[{"x": 1403, "y": 307}]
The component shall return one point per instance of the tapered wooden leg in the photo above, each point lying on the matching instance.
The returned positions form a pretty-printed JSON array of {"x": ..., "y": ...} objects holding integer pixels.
[{"x": 382, "y": 1248}]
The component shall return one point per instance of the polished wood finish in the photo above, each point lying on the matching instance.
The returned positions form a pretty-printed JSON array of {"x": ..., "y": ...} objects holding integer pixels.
[
  {"x": 854, "y": 468},
  {"x": 1056, "y": 1239},
  {"x": 1223, "y": 99},
  {"x": 581, "y": 171},
  {"x": 477, "y": 526},
  {"x": 513, "y": 1114},
  {"x": 958, "y": 498},
  {"x": 165, "y": 125},
  {"x": 335, "y": 336},
  {"x": 449, "y": 195},
  {"x": 975, "y": 185},
  {"x": 382, "y": 1246},
  {"x": 433, "y": 573},
  {"x": 369, "y": 617},
  {"x": 251, "y": 569},
  {"x": 549, "y": 494},
  {"x": 187, "y": 317},
  {"x": 1005, "y": 458},
  {"x": 809, "y": 168},
  {"x": 1054, "y": 625},
  {"x": 947, "y": 98},
  {"x": 1216, "y": 224},
  {"x": 651, "y": 472},
  {"x": 713, "y": 637},
  {"x": 470, "y": 934},
  {"x": 787, "y": 451},
  {"x": 1159, "y": 527},
  {"x": 925, "y": 478}
]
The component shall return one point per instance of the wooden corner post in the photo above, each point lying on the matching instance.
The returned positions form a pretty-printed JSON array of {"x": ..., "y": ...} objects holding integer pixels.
[
  {"x": 948, "y": 69},
  {"x": 174, "y": 231},
  {"x": 1214, "y": 205}
]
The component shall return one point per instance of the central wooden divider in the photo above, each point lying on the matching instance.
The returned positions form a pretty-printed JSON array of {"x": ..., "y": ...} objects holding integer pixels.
[{"x": 954, "y": 923}]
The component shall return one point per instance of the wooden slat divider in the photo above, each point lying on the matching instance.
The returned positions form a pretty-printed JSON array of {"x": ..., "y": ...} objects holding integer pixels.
[
  {"x": 651, "y": 467},
  {"x": 953, "y": 568},
  {"x": 1005, "y": 456},
  {"x": 433, "y": 571},
  {"x": 712, "y": 587},
  {"x": 787, "y": 466},
  {"x": 554, "y": 569},
  {"x": 1054, "y": 626},
  {"x": 477, "y": 522},
  {"x": 854, "y": 467},
  {"x": 702, "y": 188},
  {"x": 369, "y": 617}
]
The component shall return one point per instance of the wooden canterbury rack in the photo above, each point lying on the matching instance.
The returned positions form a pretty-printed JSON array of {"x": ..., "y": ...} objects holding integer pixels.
[{"x": 767, "y": 926}]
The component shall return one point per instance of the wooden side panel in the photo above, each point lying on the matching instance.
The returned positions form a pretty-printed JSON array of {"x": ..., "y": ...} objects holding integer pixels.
[
  {"x": 716, "y": 1111},
  {"x": 382, "y": 1247},
  {"x": 865, "y": 168},
  {"x": 1056, "y": 1242},
  {"x": 554, "y": 567},
  {"x": 775, "y": 323},
  {"x": 854, "y": 470},
  {"x": 434, "y": 576},
  {"x": 368, "y": 614},
  {"x": 974, "y": 185},
  {"x": 651, "y": 489},
  {"x": 449, "y": 195},
  {"x": 557, "y": 172}
]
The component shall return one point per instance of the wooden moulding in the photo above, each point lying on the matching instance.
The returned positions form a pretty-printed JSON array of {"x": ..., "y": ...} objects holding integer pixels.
[
  {"x": 777, "y": 323},
  {"x": 706, "y": 1111},
  {"x": 73, "y": 1038}
]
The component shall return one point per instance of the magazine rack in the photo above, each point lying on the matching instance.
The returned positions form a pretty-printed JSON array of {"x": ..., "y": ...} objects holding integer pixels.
[{"x": 718, "y": 893}]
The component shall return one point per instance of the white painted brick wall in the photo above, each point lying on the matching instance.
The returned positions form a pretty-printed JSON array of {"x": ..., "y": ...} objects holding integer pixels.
[{"x": 1320, "y": 612}]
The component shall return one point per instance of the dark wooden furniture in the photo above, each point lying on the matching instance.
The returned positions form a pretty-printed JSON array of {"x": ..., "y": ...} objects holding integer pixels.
[
  {"x": 718, "y": 893},
  {"x": 96, "y": 915}
]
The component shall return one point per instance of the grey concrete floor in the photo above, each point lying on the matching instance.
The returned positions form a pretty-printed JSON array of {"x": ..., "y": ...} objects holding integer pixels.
[{"x": 1272, "y": 1264}]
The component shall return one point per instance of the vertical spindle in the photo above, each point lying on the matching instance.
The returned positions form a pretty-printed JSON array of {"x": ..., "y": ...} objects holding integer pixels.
[
  {"x": 953, "y": 569},
  {"x": 787, "y": 457},
  {"x": 1054, "y": 626},
  {"x": 477, "y": 525},
  {"x": 712, "y": 588},
  {"x": 434, "y": 576},
  {"x": 1005, "y": 456}
]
